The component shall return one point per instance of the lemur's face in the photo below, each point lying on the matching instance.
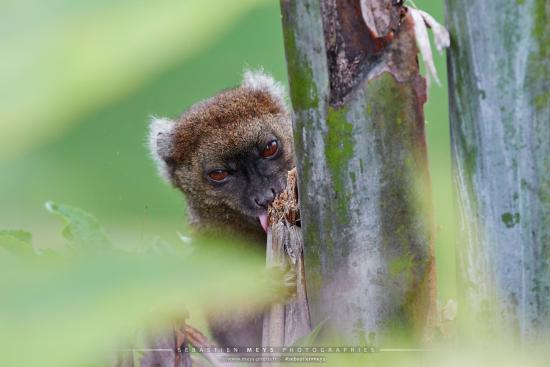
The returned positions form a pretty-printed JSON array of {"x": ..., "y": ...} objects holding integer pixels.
[
  {"x": 231, "y": 152},
  {"x": 251, "y": 169}
]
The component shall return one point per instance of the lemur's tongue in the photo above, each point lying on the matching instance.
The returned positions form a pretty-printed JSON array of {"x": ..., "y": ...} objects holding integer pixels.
[{"x": 263, "y": 221}]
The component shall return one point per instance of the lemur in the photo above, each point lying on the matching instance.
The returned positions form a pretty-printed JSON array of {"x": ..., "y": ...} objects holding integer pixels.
[{"x": 229, "y": 155}]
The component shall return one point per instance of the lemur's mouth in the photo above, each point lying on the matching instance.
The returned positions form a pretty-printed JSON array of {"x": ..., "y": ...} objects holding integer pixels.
[{"x": 263, "y": 221}]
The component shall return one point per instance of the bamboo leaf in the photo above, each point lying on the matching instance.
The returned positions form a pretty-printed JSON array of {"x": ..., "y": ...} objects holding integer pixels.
[
  {"x": 423, "y": 43},
  {"x": 441, "y": 34},
  {"x": 310, "y": 338}
]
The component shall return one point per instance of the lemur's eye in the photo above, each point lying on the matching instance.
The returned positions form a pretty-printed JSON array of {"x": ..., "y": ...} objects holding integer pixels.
[
  {"x": 218, "y": 175},
  {"x": 270, "y": 149}
]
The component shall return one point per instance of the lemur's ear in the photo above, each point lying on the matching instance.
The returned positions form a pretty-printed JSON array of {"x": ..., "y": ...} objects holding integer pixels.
[
  {"x": 161, "y": 144},
  {"x": 259, "y": 80}
]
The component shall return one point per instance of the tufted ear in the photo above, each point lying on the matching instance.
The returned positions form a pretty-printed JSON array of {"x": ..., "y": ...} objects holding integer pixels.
[
  {"x": 161, "y": 144},
  {"x": 259, "y": 80}
]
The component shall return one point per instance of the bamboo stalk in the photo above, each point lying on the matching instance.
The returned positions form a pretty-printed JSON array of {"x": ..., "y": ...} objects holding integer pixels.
[
  {"x": 286, "y": 323},
  {"x": 365, "y": 195}
]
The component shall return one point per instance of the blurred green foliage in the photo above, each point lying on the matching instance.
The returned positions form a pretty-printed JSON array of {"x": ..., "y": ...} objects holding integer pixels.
[{"x": 73, "y": 306}]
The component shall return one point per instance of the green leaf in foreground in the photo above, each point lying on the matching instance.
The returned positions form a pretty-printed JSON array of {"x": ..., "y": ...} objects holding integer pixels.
[
  {"x": 310, "y": 338},
  {"x": 16, "y": 242},
  {"x": 82, "y": 228},
  {"x": 72, "y": 309},
  {"x": 21, "y": 235}
]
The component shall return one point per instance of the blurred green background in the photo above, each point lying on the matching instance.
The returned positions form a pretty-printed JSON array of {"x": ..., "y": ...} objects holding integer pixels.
[{"x": 79, "y": 80}]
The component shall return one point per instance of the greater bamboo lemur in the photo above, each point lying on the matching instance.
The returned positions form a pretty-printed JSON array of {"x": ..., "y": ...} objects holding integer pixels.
[{"x": 229, "y": 155}]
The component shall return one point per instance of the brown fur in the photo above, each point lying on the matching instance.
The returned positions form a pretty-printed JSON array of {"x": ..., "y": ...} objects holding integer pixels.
[
  {"x": 225, "y": 111},
  {"x": 231, "y": 126},
  {"x": 224, "y": 125}
]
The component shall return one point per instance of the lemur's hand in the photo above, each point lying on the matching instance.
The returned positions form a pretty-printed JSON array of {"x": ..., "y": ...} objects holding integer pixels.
[{"x": 282, "y": 280}]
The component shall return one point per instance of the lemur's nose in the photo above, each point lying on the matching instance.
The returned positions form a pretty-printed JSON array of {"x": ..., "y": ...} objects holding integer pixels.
[{"x": 265, "y": 199}]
